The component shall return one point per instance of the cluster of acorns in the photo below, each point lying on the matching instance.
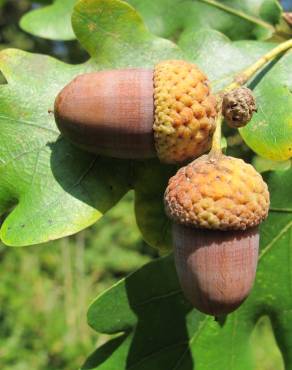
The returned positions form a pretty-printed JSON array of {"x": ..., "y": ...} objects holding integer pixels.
[{"x": 215, "y": 202}]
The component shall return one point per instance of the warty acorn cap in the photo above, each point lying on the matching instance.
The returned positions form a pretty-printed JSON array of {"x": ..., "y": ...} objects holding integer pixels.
[
  {"x": 220, "y": 193},
  {"x": 185, "y": 111}
]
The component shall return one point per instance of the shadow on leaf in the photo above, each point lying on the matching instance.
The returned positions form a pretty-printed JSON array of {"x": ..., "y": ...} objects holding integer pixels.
[
  {"x": 159, "y": 315},
  {"x": 96, "y": 181},
  {"x": 159, "y": 323}
]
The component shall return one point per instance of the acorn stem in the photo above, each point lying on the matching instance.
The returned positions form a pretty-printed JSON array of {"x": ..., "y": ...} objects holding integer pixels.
[
  {"x": 240, "y": 80},
  {"x": 216, "y": 140},
  {"x": 249, "y": 72}
]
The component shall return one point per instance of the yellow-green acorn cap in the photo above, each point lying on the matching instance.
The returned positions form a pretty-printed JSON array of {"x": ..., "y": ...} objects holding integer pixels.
[
  {"x": 222, "y": 193},
  {"x": 185, "y": 111}
]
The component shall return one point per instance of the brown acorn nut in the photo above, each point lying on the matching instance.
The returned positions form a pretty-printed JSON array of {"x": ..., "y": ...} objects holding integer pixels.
[
  {"x": 216, "y": 204},
  {"x": 238, "y": 106},
  {"x": 139, "y": 113}
]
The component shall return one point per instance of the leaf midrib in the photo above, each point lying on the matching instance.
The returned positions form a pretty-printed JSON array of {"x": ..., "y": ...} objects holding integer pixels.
[
  {"x": 21, "y": 155},
  {"x": 275, "y": 239},
  {"x": 191, "y": 341},
  {"x": 155, "y": 353},
  {"x": 239, "y": 13}
]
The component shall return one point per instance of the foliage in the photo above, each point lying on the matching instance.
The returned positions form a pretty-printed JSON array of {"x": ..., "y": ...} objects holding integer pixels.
[
  {"x": 50, "y": 189},
  {"x": 45, "y": 291},
  {"x": 52, "y": 21},
  {"x": 12, "y": 37},
  {"x": 275, "y": 88},
  {"x": 267, "y": 355},
  {"x": 171, "y": 19}
]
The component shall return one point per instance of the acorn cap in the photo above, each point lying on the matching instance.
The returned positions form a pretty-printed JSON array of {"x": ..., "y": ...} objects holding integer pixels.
[
  {"x": 185, "y": 111},
  {"x": 221, "y": 193},
  {"x": 238, "y": 106}
]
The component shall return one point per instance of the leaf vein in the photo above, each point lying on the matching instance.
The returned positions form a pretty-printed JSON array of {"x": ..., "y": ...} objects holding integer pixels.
[
  {"x": 19, "y": 156},
  {"x": 28, "y": 123},
  {"x": 56, "y": 200},
  {"x": 190, "y": 341},
  {"x": 275, "y": 239},
  {"x": 162, "y": 296},
  {"x": 154, "y": 353}
]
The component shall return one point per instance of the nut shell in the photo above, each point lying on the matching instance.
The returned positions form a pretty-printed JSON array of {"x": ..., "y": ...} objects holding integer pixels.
[
  {"x": 216, "y": 269},
  {"x": 185, "y": 111},
  {"x": 222, "y": 193},
  {"x": 109, "y": 113}
]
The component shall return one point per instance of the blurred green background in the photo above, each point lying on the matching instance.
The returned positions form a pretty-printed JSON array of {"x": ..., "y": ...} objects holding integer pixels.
[{"x": 45, "y": 290}]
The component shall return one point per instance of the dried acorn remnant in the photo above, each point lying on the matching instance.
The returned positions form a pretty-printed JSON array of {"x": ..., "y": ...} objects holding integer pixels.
[
  {"x": 139, "y": 113},
  {"x": 216, "y": 204},
  {"x": 238, "y": 106}
]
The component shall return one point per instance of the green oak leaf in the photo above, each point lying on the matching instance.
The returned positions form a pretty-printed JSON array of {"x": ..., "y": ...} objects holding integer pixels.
[
  {"x": 269, "y": 133},
  {"x": 51, "y": 21},
  {"x": 115, "y": 36},
  {"x": 226, "y": 59},
  {"x": 165, "y": 332},
  {"x": 51, "y": 188},
  {"x": 149, "y": 207},
  {"x": 255, "y": 19},
  {"x": 237, "y": 19},
  {"x": 263, "y": 165},
  {"x": 105, "y": 351}
]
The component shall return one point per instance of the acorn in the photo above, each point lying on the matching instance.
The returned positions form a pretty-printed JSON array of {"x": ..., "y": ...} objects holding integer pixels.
[
  {"x": 216, "y": 204},
  {"x": 167, "y": 111}
]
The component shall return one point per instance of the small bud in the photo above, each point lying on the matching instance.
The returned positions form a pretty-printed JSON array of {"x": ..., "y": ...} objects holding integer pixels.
[{"x": 238, "y": 106}]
